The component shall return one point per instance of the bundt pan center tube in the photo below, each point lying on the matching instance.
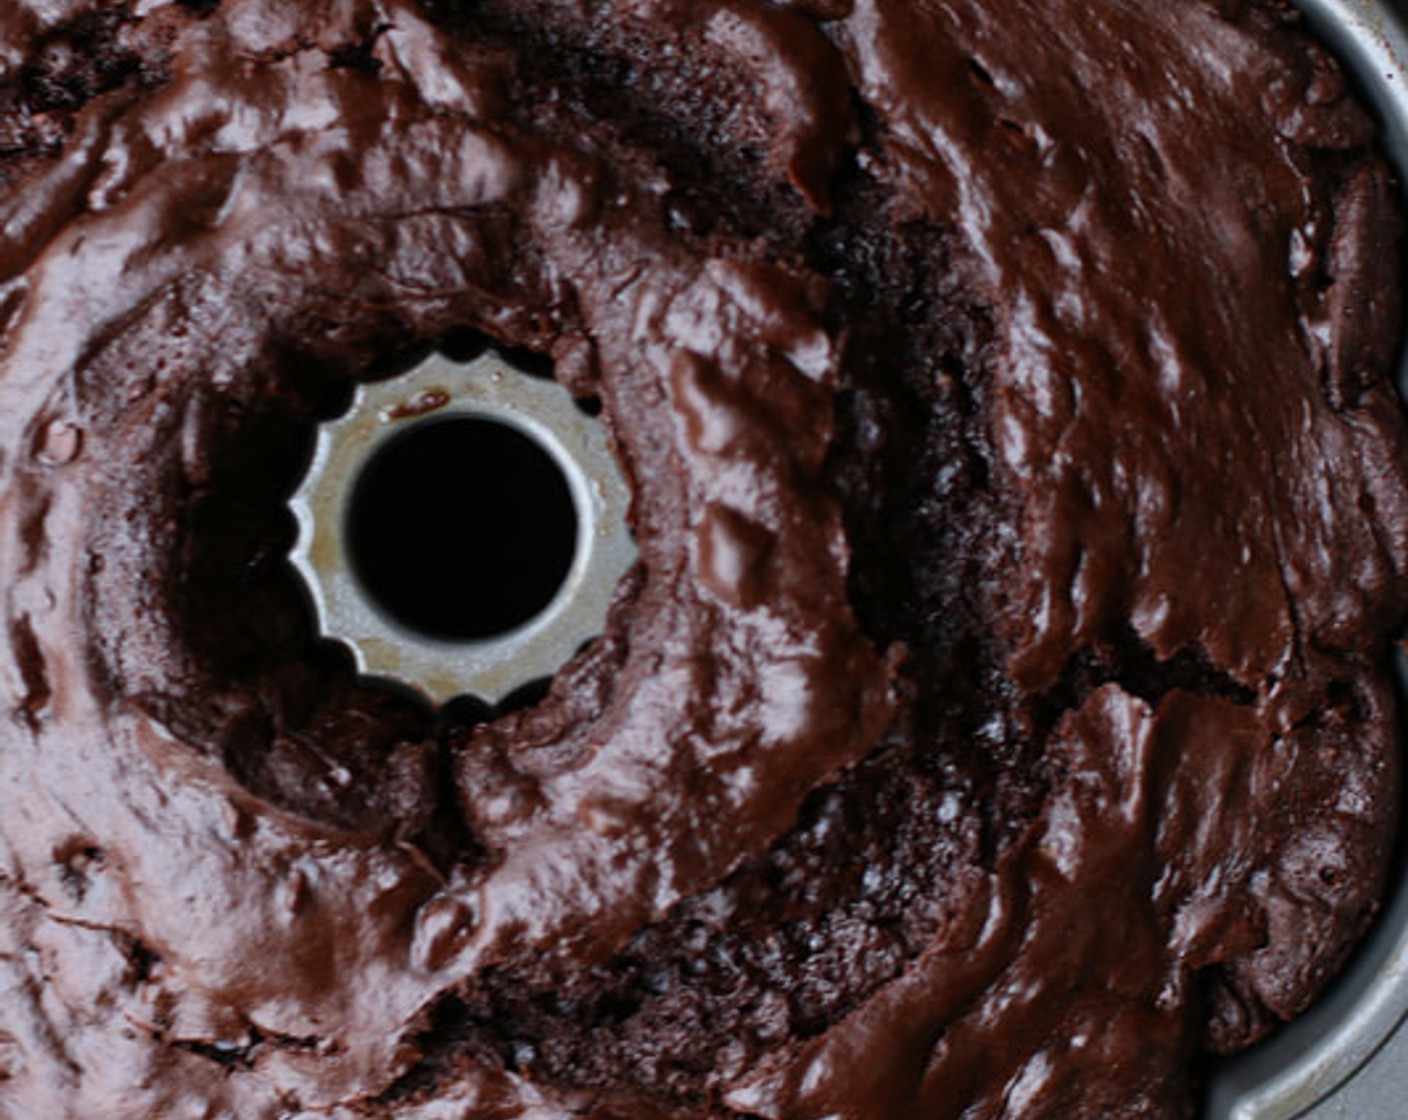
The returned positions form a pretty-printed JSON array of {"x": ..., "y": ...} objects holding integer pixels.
[{"x": 363, "y": 565}]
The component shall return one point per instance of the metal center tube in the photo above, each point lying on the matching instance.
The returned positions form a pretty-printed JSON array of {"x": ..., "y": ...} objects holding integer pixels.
[{"x": 488, "y": 389}]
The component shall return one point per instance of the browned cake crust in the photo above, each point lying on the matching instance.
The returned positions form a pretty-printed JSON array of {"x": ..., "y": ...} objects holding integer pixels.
[{"x": 996, "y": 720}]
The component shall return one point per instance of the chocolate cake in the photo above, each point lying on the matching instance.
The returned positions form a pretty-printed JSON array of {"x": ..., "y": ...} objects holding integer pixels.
[{"x": 996, "y": 723}]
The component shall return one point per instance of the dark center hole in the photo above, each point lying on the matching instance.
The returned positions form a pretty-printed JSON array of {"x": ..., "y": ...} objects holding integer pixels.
[{"x": 462, "y": 528}]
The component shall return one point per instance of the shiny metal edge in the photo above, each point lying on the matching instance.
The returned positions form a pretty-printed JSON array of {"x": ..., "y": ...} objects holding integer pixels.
[
  {"x": 491, "y": 668},
  {"x": 1347, "y": 1057}
]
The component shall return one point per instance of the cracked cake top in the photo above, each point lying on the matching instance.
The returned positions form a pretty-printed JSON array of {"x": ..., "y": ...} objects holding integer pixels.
[{"x": 996, "y": 721}]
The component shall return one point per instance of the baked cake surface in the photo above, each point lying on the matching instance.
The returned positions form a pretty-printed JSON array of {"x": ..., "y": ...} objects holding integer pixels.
[{"x": 996, "y": 722}]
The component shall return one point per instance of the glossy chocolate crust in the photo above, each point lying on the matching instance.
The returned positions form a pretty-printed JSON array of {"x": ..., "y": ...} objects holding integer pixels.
[{"x": 996, "y": 722}]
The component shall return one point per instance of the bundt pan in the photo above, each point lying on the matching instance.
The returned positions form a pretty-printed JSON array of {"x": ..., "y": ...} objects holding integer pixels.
[{"x": 1347, "y": 1058}]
